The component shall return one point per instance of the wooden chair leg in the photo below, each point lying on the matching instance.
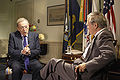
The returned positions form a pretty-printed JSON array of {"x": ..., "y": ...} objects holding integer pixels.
[{"x": 6, "y": 76}]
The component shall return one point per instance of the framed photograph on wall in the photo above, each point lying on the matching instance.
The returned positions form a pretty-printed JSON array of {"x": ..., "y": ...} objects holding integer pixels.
[{"x": 55, "y": 15}]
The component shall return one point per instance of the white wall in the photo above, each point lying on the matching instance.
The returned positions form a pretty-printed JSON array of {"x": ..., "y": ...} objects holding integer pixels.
[
  {"x": 6, "y": 19},
  {"x": 24, "y": 8},
  {"x": 117, "y": 15},
  {"x": 53, "y": 33}
]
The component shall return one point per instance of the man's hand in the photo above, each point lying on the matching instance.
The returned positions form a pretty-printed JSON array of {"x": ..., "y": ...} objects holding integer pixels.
[
  {"x": 26, "y": 51},
  {"x": 81, "y": 67}
]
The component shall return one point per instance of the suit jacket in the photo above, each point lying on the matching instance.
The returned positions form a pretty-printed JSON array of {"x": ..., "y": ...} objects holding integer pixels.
[
  {"x": 100, "y": 54},
  {"x": 15, "y": 46}
]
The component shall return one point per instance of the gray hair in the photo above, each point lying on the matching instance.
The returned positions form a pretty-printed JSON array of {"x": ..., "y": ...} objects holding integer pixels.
[
  {"x": 21, "y": 20},
  {"x": 97, "y": 17}
]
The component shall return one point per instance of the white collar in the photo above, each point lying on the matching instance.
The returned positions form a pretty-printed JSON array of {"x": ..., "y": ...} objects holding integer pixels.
[
  {"x": 23, "y": 36},
  {"x": 99, "y": 32}
]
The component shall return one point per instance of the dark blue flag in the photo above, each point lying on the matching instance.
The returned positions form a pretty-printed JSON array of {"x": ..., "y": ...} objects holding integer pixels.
[{"x": 73, "y": 27}]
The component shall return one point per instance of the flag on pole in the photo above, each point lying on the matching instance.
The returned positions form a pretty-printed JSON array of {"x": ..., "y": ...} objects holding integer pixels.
[
  {"x": 75, "y": 21},
  {"x": 73, "y": 26},
  {"x": 77, "y": 24},
  {"x": 66, "y": 36},
  {"x": 108, "y": 11}
]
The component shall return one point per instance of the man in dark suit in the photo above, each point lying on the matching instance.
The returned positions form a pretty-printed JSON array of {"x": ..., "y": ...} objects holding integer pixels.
[
  {"x": 99, "y": 53},
  {"x": 23, "y": 48}
]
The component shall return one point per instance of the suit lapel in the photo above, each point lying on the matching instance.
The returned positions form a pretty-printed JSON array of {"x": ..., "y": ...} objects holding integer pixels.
[
  {"x": 29, "y": 39},
  {"x": 90, "y": 49}
]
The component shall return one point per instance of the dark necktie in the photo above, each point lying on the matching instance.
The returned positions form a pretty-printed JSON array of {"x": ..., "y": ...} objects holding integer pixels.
[{"x": 26, "y": 61}]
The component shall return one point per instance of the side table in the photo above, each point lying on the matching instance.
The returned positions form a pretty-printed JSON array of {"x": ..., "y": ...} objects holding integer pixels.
[
  {"x": 43, "y": 47},
  {"x": 73, "y": 56}
]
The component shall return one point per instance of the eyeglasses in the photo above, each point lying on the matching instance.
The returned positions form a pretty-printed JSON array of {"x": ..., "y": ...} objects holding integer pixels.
[{"x": 22, "y": 27}]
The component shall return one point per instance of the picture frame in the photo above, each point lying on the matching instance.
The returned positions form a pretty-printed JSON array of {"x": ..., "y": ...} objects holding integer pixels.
[{"x": 55, "y": 15}]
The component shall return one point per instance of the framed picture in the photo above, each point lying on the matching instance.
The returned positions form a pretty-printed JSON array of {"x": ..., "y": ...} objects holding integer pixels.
[{"x": 55, "y": 15}]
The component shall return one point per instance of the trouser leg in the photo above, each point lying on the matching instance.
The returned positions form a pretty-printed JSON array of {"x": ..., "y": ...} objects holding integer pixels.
[
  {"x": 35, "y": 66},
  {"x": 58, "y": 67},
  {"x": 54, "y": 76},
  {"x": 16, "y": 71}
]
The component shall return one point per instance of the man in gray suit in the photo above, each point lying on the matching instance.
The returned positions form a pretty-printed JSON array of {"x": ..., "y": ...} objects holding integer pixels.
[
  {"x": 23, "y": 48},
  {"x": 99, "y": 53}
]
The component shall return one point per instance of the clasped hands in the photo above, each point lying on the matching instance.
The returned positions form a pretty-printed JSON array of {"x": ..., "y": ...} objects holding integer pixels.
[
  {"x": 26, "y": 51},
  {"x": 81, "y": 67}
]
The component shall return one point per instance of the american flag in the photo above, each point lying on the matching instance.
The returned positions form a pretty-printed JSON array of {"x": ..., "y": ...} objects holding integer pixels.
[{"x": 108, "y": 11}]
